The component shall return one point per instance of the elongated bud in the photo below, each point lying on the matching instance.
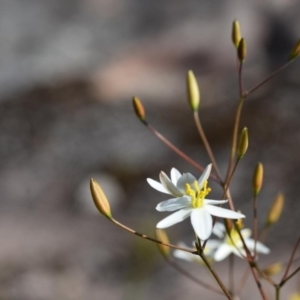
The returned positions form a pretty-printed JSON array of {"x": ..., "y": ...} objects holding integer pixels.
[
  {"x": 100, "y": 199},
  {"x": 193, "y": 92},
  {"x": 273, "y": 269},
  {"x": 162, "y": 236},
  {"x": 275, "y": 210},
  {"x": 139, "y": 108},
  {"x": 295, "y": 51},
  {"x": 228, "y": 225},
  {"x": 242, "y": 50},
  {"x": 239, "y": 222},
  {"x": 257, "y": 178},
  {"x": 236, "y": 33},
  {"x": 243, "y": 143}
]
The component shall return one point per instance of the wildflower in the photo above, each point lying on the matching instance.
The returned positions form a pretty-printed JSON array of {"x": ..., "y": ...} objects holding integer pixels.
[
  {"x": 233, "y": 244},
  {"x": 190, "y": 201}
]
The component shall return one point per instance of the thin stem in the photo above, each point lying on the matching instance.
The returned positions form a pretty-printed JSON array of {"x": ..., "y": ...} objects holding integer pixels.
[
  {"x": 255, "y": 224},
  {"x": 234, "y": 136},
  {"x": 290, "y": 276},
  {"x": 230, "y": 274},
  {"x": 150, "y": 238},
  {"x": 290, "y": 261},
  {"x": 206, "y": 144},
  {"x": 214, "y": 274},
  {"x": 182, "y": 271},
  {"x": 277, "y": 290},
  {"x": 240, "y": 68},
  {"x": 177, "y": 151},
  {"x": 249, "y": 92}
]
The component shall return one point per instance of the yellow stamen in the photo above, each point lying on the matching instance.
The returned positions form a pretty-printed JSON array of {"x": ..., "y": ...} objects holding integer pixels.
[
  {"x": 196, "y": 194},
  {"x": 234, "y": 238}
]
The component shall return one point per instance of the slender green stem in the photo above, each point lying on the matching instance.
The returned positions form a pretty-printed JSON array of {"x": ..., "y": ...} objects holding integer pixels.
[
  {"x": 206, "y": 144},
  {"x": 177, "y": 151},
  {"x": 277, "y": 291},
  {"x": 150, "y": 238},
  {"x": 240, "y": 69},
  {"x": 182, "y": 271}
]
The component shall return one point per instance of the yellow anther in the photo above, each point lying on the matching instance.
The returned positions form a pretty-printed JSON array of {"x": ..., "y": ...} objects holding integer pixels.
[{"x": 234, "y": 238}]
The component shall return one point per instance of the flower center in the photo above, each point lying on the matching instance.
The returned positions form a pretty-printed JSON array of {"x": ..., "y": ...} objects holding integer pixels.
[
  {"x": 197, "y": 195},
  {"x": 234, "y": 238}
]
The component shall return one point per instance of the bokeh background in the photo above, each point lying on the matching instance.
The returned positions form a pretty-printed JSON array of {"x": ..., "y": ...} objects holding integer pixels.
[{"x": 68, "y": 71}]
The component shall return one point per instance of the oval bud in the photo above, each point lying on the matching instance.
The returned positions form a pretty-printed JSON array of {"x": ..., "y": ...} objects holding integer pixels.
[
  {"x": 236, "y": 33},
  {"x": 295, "y": 51},
  {"x": 100, "y": 199},
  {"x": 162, "y": 236},
  {"x": 275, "y": 210},
  {"x": 257, "y": 178},
  {"x": 243, "y": 143},
  {"x": 193, "y": 92},
  {"x": 242, "y": 50},
  {"x": 273, "y": 269},
  {"x": 139, "y": 108}
]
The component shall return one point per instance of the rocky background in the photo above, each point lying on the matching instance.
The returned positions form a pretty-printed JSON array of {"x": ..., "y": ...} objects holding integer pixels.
[{"x": 68, "y": 70}]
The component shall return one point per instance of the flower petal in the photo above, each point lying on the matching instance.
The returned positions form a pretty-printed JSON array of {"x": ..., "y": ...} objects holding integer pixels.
[
  {"x": 169, "y": 185},
  {"x": 204, "y": 176},
  {"x": 175, "y": 175},
  {"x": 174, "y": 218},
  {"x": 223, "y": 212},
  {"x": 223, "y": 251},
  {"x": 184, "y": 179},
  {"x": 261, "y": 248},
  {"x": 174, "y": 204},
  {"x": 219, "y": 230},
  {"x": 246, "y": 233},
  {"x": 209, "y": 201},
  {"x": 211, "y": 245},
  {"x": 158, "y": 186},
  {"x": 202, "y": 223}
]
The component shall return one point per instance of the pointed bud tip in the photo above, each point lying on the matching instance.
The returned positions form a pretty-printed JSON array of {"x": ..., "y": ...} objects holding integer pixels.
[
  {"x": 236, "y": 33},
  {"x": 295, "y": 51},
  {"x": 139, "y": 108},
  {"x": 193, "y": 91},
  {"x": 257, "y": 178},
  {"x": 243, "y": 143},
  {"x": 242, "y": 50},
  {"x": 275, "y": 210},
  {"x": 100, "y": 199}
]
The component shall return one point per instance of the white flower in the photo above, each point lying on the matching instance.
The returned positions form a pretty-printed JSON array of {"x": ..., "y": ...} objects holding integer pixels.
[
  {"x": 234, "y": 244},
  {"x": 190, "y": 200}
]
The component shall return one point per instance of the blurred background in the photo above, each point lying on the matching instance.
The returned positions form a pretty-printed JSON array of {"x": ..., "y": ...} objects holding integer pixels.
[{"x": 68, "y": 71}]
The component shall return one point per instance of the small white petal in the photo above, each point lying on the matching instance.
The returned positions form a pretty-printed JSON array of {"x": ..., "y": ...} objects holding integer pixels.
[
  {"x": 169, "y": 185},
  {"x": 217, "y": 202},
  {"x": 223, "y": 212},
  {"x": 261, "y": 248},
  {"x": 174, "y": 218},
  {"x": 202, "y": 223},
  {"x": 175, "y": 175},
  {"x": 219, "y": 230},
  {"x": 184, "y": 179},
  {"x": 158, "y": 186},
  {"x": 223, "y": 251},
  {"x": 205, "y": 175},
  {"x": 211, "y": 245},
  {"x": 246, "y": 233},
  {"x": 174, "y": 204},
  {"x": 184, "y": 255}
]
